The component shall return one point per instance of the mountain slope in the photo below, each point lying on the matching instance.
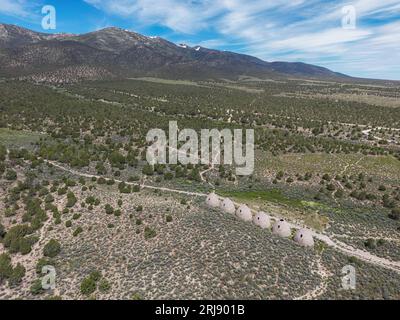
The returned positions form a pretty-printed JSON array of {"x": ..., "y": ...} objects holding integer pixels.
[{"x": 113, "y": 52}]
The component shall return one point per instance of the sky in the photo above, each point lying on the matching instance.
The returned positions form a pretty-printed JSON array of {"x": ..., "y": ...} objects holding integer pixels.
[{"x": 359, "y": 38}]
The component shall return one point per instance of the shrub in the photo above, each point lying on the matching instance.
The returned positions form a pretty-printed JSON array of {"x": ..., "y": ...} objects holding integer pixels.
[
  {"x": 395, "y": 214},
  {"x": 117, "y": 173},
  {"x": 110, "y": 182},
  {"x": 77, "y": 231},
  {"x": 68, "y": 223},
  {"x": 71, "y": 200},
  {"x": 17, "y": 274},
  {"x": 389, "y": 203},
  {"x": 88, "y": 286},
  {"x": 354, "y": 260},
  {"x": 43, "y": 262},
  {"x": 348, "y": 185},
  {"x": 124, "y": 188},
  {"x": 380, "y": 242},
  {"x": 382, "y": 188},
  {"x": 370, "y": 243},
  {"x": 61, "y": 191},
  {"x": 168, "y": 176},
  {"x": 149, "y": 233},
  {"x": 54, "y": 298},
  {"x": 134, "y": 178},
  {"x": 101, "y": 180},
  {"x": 5, "y": 266},
  {"x": 49, "y": 198},
  {"x": 136, "y": 296},
  {"x": 148, "y": 170},
  {"x": 109, "y": 209},
  {"x": 43, "y": 191},
  {"x": 280, "y": 175},
  {"x": 9, "y": 212},
  {"x": 2, "y": 231},
  {"x": 11, "y": 175},
  {"x": 36, "y": 287},
  {"x": 95, "y": 275},
  {"x": 70, "y": 183},
  {"x": 371, "y": 197},
  {"x": 331, "y": 187},
  {"x": 104, "y": 286},
  {"x": 52, "y": 248},
  {"x": 169, "y": 218},
  {"x": 25, "y": 246},
  {"x": 13, "y": 237},
  {"x": 57, "y": 220},
  {"x": 339, "y": 193},
  {"x": 90, "y": 200},
  {"x": 76, "y": 216},
  {"x": 326, "y": 177}
]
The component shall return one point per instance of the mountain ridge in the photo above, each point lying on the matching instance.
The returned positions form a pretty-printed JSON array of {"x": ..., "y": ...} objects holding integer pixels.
[{"x": 115, "y": 52}]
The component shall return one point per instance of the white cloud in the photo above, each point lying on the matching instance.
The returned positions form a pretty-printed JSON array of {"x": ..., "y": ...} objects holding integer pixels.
[
  {"x": 181, "y": 16},
  {"x": 367, "y": 7},
  {"x": 14, "y": 8},
  {"x": 319, "y": 40},
  {"x": 307, "y": 30},
  {"x": 23, "y": 10}
]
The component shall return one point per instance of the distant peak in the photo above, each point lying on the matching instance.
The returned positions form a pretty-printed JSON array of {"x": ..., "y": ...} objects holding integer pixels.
[
  {"x": 115, "y": 30},
  {"x": 111, "y": 29}
]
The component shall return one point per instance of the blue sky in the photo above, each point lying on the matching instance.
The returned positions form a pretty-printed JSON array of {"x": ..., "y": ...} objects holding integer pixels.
[{"x": 310, "y": 31}]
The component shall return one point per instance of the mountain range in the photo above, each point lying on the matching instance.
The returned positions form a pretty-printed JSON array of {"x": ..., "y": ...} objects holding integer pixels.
[{"x": 117, "y": 53}]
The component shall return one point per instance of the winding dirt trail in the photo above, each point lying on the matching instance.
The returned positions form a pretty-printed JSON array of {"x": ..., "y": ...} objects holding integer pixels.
[
  {"x": 337, "y": 245},
  {"x": 322, "y": 287},
  {"x": 86, "y": 175},
  {"x": 212, "y": 167},
  {"x": 349, "y": 165}
]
